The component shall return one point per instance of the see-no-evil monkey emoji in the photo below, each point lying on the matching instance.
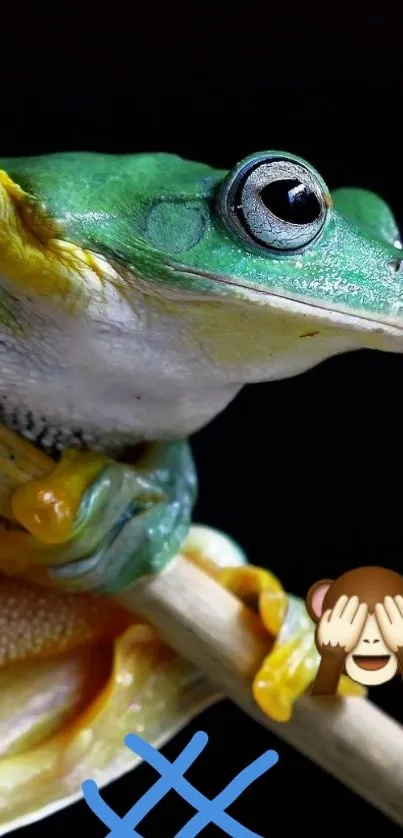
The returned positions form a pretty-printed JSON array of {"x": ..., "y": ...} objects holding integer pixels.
[{"x": 359, "y": 628}]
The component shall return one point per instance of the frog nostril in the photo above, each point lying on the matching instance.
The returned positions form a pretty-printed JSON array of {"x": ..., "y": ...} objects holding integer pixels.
[{"x": 396, "y": 266}]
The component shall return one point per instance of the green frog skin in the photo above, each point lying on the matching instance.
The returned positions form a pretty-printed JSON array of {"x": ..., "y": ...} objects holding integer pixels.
[{"x": 139, "y": 293}]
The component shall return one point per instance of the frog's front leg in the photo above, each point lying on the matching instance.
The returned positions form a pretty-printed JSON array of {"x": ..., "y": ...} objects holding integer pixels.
[
  {"x": 160, "y": 491},
  {"x": 155, "y": 498},
  {"x": 97, "y": 525}
]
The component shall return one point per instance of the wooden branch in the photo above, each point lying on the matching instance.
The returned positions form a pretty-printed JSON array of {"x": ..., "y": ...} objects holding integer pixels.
[{"x": 205, "y": 624}]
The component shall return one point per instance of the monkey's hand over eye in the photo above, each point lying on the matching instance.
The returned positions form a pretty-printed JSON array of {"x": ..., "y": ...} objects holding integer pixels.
[
  {"x": 342, "y": 625},
  {"x": 390, "y": 618}
]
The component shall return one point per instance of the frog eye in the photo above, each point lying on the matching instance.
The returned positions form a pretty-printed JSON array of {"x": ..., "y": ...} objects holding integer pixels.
[{"x": 276, "y": 203}]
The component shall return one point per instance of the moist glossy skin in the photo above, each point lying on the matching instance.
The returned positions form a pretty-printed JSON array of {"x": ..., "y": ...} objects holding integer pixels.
[
  {"x": 137, "y": 295},
  {"x": 134, "y": 306}
]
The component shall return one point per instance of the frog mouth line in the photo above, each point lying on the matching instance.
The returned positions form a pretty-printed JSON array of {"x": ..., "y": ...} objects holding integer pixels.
[
  {"x": 342, "y": 315},
  {"x": 371, "y": 662}
]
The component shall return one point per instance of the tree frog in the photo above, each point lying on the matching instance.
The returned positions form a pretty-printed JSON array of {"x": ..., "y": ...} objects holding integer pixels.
[{"x": 138, "y": 294}]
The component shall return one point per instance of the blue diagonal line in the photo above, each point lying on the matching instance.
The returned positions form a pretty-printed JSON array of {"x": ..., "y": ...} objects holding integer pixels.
[
  {"x": 169, "y": 772},
  {"x": 124, "y": 826},
  {"x": 205, "y": 807},
  {"x": 212, "y": 811},
  {"x": 154, "y": 758},
  {"x": 245, "y": 778},
  {"x": 98, "y": 806}
]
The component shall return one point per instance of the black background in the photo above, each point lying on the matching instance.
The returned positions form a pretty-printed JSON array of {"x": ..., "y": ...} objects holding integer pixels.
[{"x": 216, "y": 84}]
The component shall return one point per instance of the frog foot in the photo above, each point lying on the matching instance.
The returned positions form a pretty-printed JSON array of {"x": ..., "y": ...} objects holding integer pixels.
[
  {"x": 291, "y": 665},
  {"x": 87, "y": 522}
]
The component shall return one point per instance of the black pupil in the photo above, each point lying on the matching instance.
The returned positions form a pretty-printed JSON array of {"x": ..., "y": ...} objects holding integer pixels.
[{"x": 292, "y": 201}]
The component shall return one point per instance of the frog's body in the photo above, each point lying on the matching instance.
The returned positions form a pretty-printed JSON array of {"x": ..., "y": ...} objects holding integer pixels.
[
  {"x": 138, "y": 294},
  {"x": 157, "y": 333}
]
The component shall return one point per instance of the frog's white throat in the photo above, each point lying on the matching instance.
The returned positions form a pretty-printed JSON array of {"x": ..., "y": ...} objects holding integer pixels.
[{"x": 156, "y": 369}]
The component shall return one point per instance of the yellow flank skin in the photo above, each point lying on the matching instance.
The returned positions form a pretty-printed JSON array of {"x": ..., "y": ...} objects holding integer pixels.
[{"x": 34, "y": 256}]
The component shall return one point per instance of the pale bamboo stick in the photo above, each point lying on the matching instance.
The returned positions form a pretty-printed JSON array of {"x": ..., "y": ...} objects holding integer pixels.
[{"x": 205, "y": 624}]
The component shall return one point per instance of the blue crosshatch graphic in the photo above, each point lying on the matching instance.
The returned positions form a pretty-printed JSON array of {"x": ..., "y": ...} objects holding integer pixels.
[{"x": 172, "y": 779}]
